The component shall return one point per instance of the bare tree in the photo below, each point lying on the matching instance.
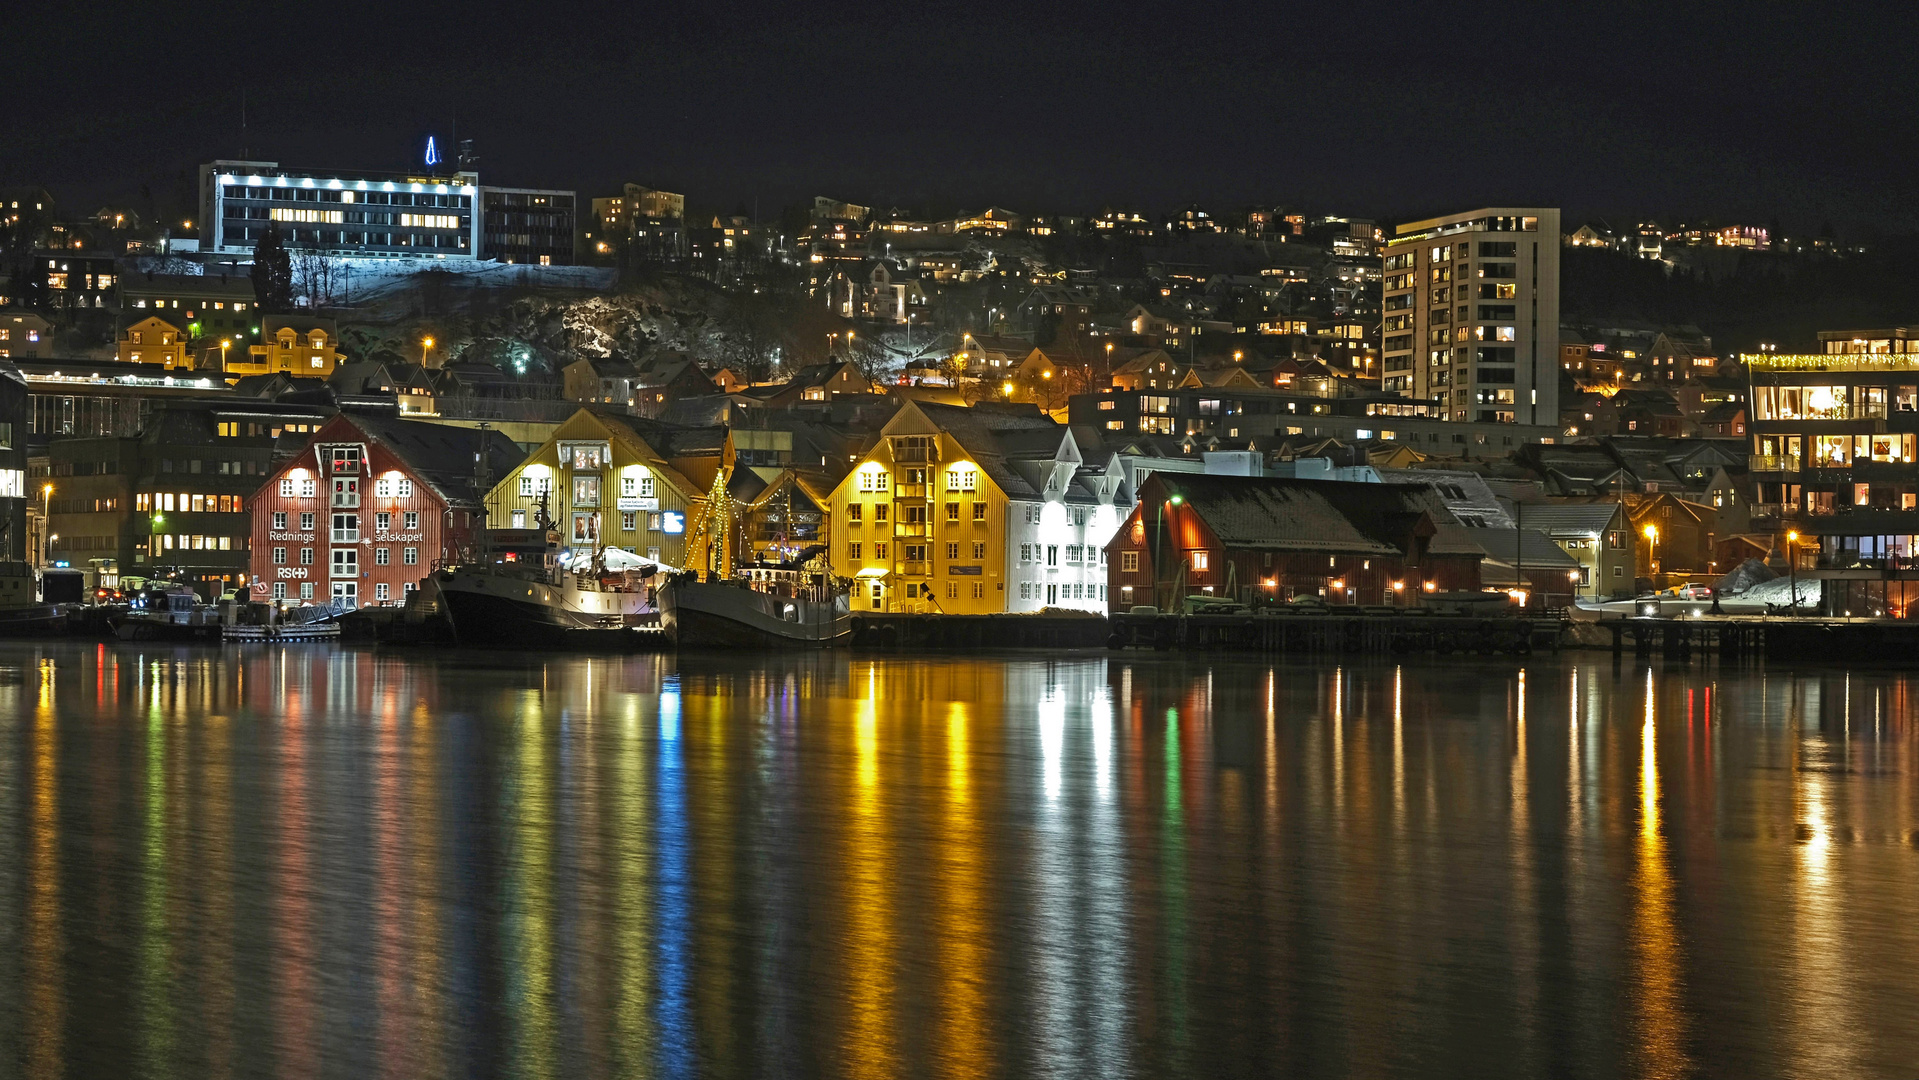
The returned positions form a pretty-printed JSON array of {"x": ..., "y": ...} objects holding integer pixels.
[{"x": 315, "y": 278}]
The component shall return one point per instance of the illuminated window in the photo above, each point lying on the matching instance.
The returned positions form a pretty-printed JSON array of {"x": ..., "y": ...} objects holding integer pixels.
[
  {"x": 1129, "y": 562},
  {"x": 307, "y": 217},
  {"x": 1200, "y": 560}
]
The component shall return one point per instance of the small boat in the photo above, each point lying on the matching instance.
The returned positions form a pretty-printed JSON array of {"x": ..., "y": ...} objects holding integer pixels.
[
  {"x": 168, "y": 613},
  {"x": 760, "y": 607}
]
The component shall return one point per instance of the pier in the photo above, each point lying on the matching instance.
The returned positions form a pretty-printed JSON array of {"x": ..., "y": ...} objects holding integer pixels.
[
  {"x": 1787, "y": 638},
  {"x": 1358, "y": 632}
]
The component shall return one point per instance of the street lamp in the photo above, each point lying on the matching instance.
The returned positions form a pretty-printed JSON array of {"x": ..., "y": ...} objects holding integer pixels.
[
  {"x": 224, "y": 344},
  {"x": 46, "y": 519},
  {"x": 426, "y": 345},
  {"x": 1792, "y": 568},
  {"x": 1652, "y": 551}
]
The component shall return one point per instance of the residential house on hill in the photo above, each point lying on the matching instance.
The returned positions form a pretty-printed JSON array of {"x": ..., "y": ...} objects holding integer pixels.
[{"x": 155, "y": 341}]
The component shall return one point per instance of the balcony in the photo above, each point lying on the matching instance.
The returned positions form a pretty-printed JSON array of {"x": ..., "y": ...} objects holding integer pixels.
[
  {"x": 1773, "y": 463},
  {"x": 910, "y": 528},
  {"x": 1845, "y": 559},
  {"x": 915, "y": 569}
]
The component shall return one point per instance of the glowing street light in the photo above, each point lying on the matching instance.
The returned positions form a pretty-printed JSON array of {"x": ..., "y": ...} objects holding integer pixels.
[
  {"x": 1792, "y": 568},
  {"x": 46, "y": 519},
  {"x": 426, "y": 345}
]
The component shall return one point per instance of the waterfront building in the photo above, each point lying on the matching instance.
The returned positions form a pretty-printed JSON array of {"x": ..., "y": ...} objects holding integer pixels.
[
  {"x": 15, "y": 498},
  {"x": 80, "y": 397},
  {"x": 1835, "y": 458},
  {"x": 975, "y": 511},
  {"x": 335, "y": 212},
  {"x": 1266, "y": 540},
  {"x": 618, "y": 481},
  {"x": 1470, "y": 315},
  {"x": 170, "y": 501},
  {"x": 368, "y": 506}
]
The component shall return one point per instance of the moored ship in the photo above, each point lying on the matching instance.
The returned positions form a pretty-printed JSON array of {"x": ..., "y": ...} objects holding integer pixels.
[
  {"x": 521, "y": 604},
  {"x": 761, "y": 607}
]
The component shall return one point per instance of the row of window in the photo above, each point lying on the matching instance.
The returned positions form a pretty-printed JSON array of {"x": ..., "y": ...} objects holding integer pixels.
[
  {"x": 237, "y": 236},
  {"x": 185, "y": 502},
  {"x": 875, "y": 480},
  {"x": 856, "y": 513},
  {"x": 342, "y": 590},
  {"x": 1075, "y": 515},
  {"x": 196, "y": 542},
  {"x": 378, "y": 198},
  {"x": 382, "y": 521},
  {"x": 1075, "y": 554},
  {"x": 915, "y": 552},
  {"x": 384, "y": 488},
  {"x": 349, "y": 558},
  {"x": 1054, "y": 592}
]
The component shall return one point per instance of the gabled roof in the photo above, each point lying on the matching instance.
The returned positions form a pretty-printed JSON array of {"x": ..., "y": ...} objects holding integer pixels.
[
  {"x": 441, "y": 455},
  {"x": 1330, "y": 516},
  {"x": 1534, "y": 546},
  {"x": 1568, "y": 519},
  {"x": 1000, "y": 441}
]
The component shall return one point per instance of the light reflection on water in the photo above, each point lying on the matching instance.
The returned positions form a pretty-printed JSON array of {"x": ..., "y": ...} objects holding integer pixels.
[{"x": 313, "y": 862}]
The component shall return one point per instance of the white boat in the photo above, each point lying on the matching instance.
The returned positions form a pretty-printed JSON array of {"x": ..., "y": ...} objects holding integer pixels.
[
  {"x": 758, "y": 608},
  {"x": 521, "y": 604}
]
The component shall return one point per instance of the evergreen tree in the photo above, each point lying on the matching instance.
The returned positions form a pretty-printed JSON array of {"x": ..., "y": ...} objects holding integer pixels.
[{"x": 272, "y": 274}]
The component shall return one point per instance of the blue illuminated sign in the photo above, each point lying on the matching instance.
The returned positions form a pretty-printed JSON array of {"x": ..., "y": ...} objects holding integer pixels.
[
  {"x": 432, "y": 152},
  {"x": 672, "y": 521}
]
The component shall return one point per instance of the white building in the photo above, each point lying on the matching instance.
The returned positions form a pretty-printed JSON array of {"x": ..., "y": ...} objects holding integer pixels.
[
  {"x": 1057, "y": 529},
  {"x": 368, "y": 215}
]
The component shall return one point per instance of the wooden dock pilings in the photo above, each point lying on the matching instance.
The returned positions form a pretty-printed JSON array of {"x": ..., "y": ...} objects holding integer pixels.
[
  {"x": 1337, "y": 633},
  {"x": 1788, "y": 638}
]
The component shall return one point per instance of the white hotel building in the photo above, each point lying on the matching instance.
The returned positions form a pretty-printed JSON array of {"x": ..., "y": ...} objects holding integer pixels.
[{"x": 364, "y": 215}]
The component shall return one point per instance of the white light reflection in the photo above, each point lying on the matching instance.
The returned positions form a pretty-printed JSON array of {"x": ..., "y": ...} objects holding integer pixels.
[
  {"x": 1052, "y": 738},
  {"x": 1103, "y": 718}
]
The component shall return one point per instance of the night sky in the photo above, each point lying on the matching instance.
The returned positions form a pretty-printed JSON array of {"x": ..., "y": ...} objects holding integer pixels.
[{"x": 1802, "y": 114}]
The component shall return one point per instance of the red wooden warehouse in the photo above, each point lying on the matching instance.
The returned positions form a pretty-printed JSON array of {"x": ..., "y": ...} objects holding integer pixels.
[
  {"x": 369, "y": 506},
  {"x": 1267, "y": 539}
]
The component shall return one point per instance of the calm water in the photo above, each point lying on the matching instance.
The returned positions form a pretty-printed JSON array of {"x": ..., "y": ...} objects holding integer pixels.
[{"x": 316, "y": 862}]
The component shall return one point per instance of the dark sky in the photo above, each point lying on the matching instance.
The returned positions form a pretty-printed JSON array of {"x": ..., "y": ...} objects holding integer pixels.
[{"x": 1803, "y": 113}]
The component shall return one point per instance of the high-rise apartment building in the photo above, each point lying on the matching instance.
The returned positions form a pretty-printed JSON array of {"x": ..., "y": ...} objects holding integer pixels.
[{"x": 1470, "y": 314}]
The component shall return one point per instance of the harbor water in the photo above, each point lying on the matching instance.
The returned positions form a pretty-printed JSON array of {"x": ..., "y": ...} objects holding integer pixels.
[{"x": 320, "y": 861}]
